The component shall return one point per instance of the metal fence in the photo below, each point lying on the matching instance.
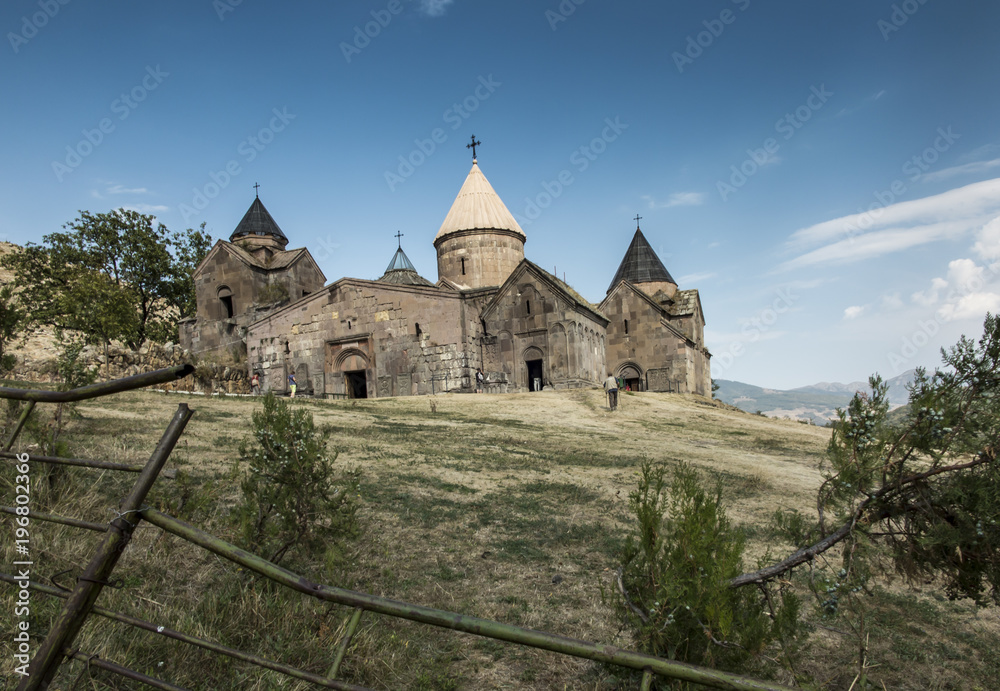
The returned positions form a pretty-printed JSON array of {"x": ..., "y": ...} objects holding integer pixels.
[{"x": 58, "y": 645}]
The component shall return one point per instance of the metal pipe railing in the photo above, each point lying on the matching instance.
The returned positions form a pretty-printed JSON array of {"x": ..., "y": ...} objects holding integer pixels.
[{"x": 137, "y": 381}]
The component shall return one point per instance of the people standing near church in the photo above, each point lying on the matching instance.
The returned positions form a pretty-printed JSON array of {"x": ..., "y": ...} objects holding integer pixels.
[
  {"x": 479, "y": 380},
  {"x": 611, "y": 386},
  {"x": 292, "y": 384},
  {"x": 255, "y": 384}
]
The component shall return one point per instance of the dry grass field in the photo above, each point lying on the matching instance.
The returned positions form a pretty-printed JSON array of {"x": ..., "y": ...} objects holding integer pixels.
[{"x": 505, "y": 507}]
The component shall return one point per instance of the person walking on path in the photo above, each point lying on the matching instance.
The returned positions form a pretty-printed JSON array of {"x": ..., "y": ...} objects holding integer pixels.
[
  {"x": 479, "y": 380},
  {"x": 611, "y": 386},
  {"x": 292, "y": 384}
]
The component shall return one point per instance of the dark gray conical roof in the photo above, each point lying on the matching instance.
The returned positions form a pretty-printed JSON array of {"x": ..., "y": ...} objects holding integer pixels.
[
  {"x": 257, "y": 221},
  {"x": 401, "y": 272},
  {"x": 641, "y": 265}
]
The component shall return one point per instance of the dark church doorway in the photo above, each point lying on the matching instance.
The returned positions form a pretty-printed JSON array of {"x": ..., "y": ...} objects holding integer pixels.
[
  {"x": 357, "y": 384},
  {"x": 534, "y": 375},
  {"x": 633, "y": 379}
]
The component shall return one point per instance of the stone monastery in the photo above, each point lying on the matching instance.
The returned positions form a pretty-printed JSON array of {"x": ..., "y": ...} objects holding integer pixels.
[{"x": 403, "y": 335}]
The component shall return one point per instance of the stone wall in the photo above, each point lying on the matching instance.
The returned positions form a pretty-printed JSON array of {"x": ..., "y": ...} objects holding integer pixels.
[
  {"x": 479, "y": 258},
  {"x": 404, "y": 340}
]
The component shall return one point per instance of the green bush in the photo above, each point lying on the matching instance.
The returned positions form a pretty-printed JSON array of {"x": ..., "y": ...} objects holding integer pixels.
[
  {"x": 675, "y": 574},
  {"x": 293, "y": 499}
]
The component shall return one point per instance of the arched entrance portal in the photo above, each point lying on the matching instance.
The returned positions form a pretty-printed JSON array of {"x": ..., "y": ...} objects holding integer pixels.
[
  {"x": 533, "y": 363},
  {"x": 632, "y": 375},
  {"x": 353, "y": 364}
]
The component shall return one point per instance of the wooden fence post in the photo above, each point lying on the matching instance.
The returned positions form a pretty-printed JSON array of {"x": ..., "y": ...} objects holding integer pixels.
[{"x": 46, "y": 661}]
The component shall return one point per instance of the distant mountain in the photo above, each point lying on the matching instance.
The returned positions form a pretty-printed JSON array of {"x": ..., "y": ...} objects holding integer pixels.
[{"x": 818, "y": 402}]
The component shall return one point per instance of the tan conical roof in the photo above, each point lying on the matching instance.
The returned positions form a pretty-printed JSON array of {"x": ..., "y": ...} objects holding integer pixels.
[{"x": 478, "y": 207}]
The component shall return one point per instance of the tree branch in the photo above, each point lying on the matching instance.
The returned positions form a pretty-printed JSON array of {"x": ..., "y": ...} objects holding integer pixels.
[{"x": 808, "y": 553}]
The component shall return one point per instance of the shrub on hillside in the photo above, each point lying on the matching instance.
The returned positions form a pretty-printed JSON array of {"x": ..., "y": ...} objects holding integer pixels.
[{"x": 293, "y": 499}]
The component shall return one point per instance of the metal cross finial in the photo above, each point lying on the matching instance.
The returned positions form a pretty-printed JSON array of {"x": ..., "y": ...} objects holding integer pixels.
[
  {"x": 473, "y": 146},
  {"x": 256, "y": 187},
  {"x": 637, "y": 217},
  {"x": 398, "y": 241}
]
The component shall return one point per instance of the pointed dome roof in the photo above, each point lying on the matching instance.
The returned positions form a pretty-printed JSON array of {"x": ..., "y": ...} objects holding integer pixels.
[
  {"x": 641, "y": 265},
  {"x": 401, "y": 272},
  {"x": 258, "y": 222},
  {"x": 478, "y": 207}
]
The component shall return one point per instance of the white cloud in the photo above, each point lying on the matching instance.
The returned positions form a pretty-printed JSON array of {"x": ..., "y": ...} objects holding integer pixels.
[
  {"x": 676, "y": 199},
  {"x": 988, "y": 244},
  {"x": 974, "y": 305},
  {"x": 931, "y": 295},
  {"x": 694, "y": 278},
  {"x": 146, "y": 208},
  {"x": 854, "y": 311},
  {"x": 966, "y": 169},
  {"x": 434, "y": 8},
  {"x": 121, "y": 189},
  {"x": 892, "y": 301},
  {"x": 967, "y": 205}
]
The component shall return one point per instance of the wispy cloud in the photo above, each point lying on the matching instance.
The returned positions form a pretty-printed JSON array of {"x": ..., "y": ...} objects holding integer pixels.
[
  {"x": 676, "y": 199},
  {"x": 434, "y": 8},
  {"x": 850, "y": 110},
  {"x": 121, "y": 189},
  {"x": 854, "y": 311},
  {"x": 974, "y": 168},
  {"x": 694, "y": 278},
  {"x": 146, "y": 208},
  {"x": 896, "y": 227}
]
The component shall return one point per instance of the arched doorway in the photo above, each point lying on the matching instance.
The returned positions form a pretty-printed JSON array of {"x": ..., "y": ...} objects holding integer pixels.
[
  {"x": 353, "y": 365},
  {"x": 533, "y": 363},
  {"x": 632, "y": 374}
]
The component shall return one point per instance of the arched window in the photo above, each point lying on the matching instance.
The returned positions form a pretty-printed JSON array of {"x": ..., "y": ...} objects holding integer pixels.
[
  {"x": 226, "y": 298},
  {"x": 527, "y": 306},
  {"x": 626, "y": 326},
  {"x": 463, "y": 266}
]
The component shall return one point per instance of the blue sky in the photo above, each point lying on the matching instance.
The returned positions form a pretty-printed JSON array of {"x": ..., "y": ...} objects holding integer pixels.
[{"x": 826, "y": 174}]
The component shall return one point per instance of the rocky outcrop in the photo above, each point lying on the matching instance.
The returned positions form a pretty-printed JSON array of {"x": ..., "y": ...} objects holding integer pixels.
[{"x": 209, "y": 377}]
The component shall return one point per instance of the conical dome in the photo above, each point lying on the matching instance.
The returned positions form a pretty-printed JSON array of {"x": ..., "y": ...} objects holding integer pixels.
[
  {"x": 257, "y": 224},
  {"x": 641, "y": 265},
  {"x": 401, "y": 272},
  {"x": 478, "y": 207}
]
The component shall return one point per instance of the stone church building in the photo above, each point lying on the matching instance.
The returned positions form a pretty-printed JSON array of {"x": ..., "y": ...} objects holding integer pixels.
[{"x": 403, "y": 335}]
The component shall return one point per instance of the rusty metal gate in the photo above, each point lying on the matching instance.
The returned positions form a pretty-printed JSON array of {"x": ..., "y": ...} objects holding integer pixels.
[{"x": 58, "y": 645}]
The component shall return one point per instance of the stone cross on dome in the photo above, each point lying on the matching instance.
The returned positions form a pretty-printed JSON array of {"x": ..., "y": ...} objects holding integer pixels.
[
  {"x": 637, "y": 218},
  {"x": 256, "y": 187},
  {"x": 473, "y": 146},
  {"x": 398, "y": 241}
]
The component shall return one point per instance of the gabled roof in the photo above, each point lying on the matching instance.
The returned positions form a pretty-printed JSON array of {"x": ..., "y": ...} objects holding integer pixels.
[
  {"x": 641, "y": 265},
  {"x": 558, "y": 287},
  {"x": 478, "y": 207},
  {"x": 401, "y": 272},
  {"x": 683, "y": 303},
  {"x": 279, "y": 260},
  {"x": 663, "y": 308},
  {"x": 257, "y": 221}
]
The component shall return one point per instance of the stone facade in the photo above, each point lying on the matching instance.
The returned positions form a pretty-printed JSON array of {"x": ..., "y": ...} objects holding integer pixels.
[{"x": 491, "y": 308}]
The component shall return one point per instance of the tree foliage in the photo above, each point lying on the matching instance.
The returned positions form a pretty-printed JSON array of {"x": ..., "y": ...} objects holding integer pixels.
[
  {"x": 13, "y": 319},
  {"x": 111, "y": 276},
  {"x": 675, "y": 573},
  {"x": 925, "y": 489},
  {"x": 292, "y": 497}
]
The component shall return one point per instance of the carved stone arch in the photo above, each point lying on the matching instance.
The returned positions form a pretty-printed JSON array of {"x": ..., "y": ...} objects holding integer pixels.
[
  {"x": 350, "y": 359},
  {"x": 532, "y": 353},
  {"x": 633, "y": 374}
]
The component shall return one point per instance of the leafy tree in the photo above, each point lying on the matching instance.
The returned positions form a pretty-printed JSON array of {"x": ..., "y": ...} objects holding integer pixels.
[
  {"x": 13, "y": 319},
  {"x": 925, "y": 489},
  {"x": 675, "y": 573},
  {"x": 111, "y": 276},
  {"x": 291, "y": 495}
]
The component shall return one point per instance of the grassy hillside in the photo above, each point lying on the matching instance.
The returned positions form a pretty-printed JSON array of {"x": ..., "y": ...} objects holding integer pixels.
[{"x": 506, "y": 507}]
